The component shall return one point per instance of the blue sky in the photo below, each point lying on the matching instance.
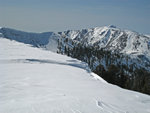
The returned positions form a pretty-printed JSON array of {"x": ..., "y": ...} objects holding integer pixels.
[{"x": 60, "y": 15}]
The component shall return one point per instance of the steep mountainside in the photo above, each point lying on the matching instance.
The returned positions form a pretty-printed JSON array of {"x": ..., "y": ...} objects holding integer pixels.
[{"x": 113, "y": 39}]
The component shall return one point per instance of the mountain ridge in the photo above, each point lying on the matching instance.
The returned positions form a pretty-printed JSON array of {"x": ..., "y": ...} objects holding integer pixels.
[{"x": 109, "y": 37}]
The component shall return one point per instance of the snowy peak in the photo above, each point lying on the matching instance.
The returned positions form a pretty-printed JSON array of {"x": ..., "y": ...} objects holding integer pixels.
[
  {"x": 112, "y": 26},
  {"x": 91, "y": 36},
  {"x": 111, "y": 38}
]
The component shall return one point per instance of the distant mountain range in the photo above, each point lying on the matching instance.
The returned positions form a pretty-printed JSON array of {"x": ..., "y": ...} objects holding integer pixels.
[{"x": 111, "y": 38}]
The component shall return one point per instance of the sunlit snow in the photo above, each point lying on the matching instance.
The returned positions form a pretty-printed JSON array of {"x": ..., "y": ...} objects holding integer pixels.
[{"x": 33, "y": 80}]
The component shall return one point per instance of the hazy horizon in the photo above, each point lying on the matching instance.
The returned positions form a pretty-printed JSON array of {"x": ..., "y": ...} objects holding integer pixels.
[{"x": 55, "y": 15}]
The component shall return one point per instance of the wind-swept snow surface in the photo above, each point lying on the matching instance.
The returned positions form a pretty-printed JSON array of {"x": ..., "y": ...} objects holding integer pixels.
[{"x": 33, "y": 80}]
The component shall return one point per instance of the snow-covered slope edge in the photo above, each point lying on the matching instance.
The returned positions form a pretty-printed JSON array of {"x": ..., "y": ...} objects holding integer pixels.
[{"x": 33, "y": 80}]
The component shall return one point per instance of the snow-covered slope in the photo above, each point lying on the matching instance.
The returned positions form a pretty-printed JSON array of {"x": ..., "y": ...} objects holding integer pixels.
[
  {"x": 35, "y": 39},
  {"x": 33, "y": 80}
]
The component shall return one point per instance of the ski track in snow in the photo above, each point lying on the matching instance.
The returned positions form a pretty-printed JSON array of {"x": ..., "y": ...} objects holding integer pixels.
[
  {"x": 38, "y": 81},
  {"x": 109, "y": 108}
]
